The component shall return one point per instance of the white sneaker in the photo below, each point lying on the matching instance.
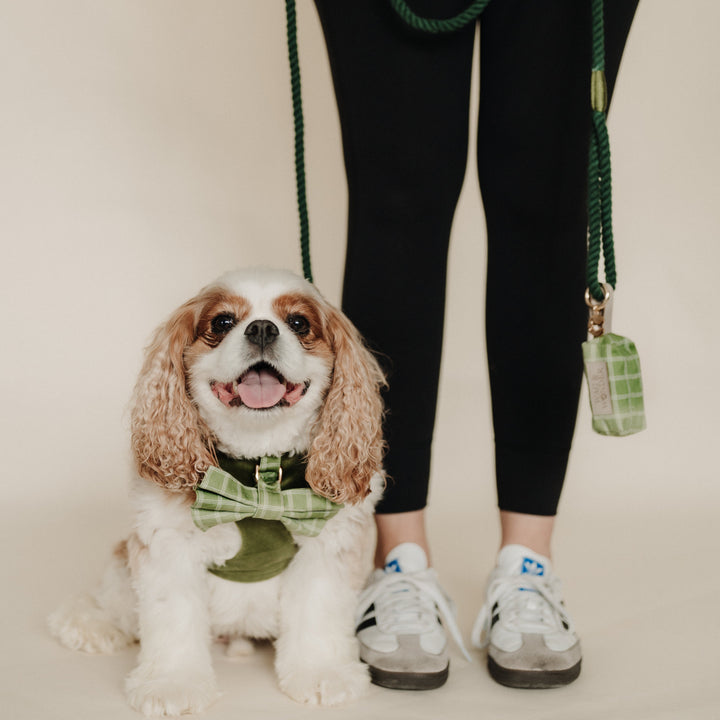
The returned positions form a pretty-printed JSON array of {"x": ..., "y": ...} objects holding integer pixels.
[
  {"x": 399, "y": 629},
  {"x": 528, "y": 633}
]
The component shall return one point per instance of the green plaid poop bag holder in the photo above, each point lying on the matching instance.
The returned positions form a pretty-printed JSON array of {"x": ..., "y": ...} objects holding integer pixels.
[{"x": 612, "y": 365}]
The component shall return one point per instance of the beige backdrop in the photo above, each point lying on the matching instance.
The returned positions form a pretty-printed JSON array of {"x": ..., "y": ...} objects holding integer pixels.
[{"x": 146, "y": 147}]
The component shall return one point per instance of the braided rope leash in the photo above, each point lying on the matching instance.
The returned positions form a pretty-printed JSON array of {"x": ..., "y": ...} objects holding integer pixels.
[
  {"x": 425, "y": 24},
  {"x": 432, "y": 25},
  {"x": 299, "y": 125},
  {"x": 600, "y": 230}
]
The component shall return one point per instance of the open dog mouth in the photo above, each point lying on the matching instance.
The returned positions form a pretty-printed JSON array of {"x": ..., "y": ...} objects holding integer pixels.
[{"x": 261, "y": 387}]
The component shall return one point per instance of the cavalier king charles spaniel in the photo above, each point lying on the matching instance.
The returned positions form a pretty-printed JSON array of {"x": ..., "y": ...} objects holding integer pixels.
[{"x": 257, "y": 365}]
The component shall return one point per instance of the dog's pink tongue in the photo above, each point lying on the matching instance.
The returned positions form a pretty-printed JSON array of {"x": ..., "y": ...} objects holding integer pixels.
[{"x": 260, "y": 389}]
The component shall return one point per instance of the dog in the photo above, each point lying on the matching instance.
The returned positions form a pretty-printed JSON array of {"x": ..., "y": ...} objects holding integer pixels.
[{"x": 258, "y": 365}]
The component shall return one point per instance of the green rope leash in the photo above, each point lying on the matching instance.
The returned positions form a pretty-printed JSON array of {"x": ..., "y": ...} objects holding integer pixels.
[
  {"x": 600, "y": 232},
  {"x": 291, "y": 18},
  {"x": 425, "y": 24},
  {"x": 431, "y": 25}
]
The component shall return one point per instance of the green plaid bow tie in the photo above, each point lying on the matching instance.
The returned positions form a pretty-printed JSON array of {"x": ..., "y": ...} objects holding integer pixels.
[{"x": 220, "y": 498}]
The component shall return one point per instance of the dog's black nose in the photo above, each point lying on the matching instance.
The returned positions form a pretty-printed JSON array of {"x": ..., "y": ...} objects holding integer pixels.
[{"x": 262, "y": 332}]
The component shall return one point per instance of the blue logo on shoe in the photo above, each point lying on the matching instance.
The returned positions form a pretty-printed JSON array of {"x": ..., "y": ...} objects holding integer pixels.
[
  {"x": 393, "y": 566},
  {"x": 532, "y": 567}
]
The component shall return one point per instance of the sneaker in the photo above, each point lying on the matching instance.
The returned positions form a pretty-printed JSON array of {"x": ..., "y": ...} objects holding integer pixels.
[
  {"x": 399, "y": 626},
  {"x": 530, "y": 639}
]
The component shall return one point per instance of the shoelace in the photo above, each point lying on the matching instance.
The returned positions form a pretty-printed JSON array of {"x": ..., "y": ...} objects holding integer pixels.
[
  {"x": 527, "y": 603},
  {"x": 409, "y": 602}
]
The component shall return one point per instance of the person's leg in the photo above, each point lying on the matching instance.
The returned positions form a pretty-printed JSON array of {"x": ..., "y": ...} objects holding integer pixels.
[
  {"x": 403, "y": 100},
  {"x": 533, "y": 138},
  {"x": 532, "y": 160},
  {"x": 396, "y": 528}
]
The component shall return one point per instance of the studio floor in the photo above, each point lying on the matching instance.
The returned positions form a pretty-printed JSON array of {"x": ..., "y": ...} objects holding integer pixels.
[{"x": 643, "y": 591}]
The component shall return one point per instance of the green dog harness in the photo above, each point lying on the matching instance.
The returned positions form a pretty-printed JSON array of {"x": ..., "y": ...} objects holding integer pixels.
[{"x": 267, "y": 499}]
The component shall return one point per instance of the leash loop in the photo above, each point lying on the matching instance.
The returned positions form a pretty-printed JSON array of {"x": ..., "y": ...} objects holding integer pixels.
[
  {"x": 435, "y": 26},
  {"x": 600, "y": 230}
]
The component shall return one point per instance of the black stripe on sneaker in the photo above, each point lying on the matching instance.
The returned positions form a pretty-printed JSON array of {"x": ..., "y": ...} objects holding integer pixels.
[
  {"x": 495, "y": 614},
  {"x": 370, "y": 622},
  {"x": 369, "y": 611}
]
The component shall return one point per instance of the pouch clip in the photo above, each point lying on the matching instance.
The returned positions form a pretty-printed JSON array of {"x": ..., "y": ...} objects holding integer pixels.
[{"x": 596, "y": 320}]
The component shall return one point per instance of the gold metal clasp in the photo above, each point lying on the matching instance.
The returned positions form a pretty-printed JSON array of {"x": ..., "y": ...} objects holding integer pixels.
[
  {"x": 257, "y": 474},
  {"x": 596, "y": 321}
]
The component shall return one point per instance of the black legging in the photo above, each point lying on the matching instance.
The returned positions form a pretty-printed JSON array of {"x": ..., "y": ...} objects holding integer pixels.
[{"x": 403, "y": 99}]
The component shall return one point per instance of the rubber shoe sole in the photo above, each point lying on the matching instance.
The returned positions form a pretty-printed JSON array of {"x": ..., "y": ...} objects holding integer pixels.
[
  {"x": 533, "y": 679},
  {"x": 408, "y": 680}
]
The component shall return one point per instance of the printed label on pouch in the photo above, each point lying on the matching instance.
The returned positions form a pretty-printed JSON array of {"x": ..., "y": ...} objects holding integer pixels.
[{"x": 599, "y": 385}]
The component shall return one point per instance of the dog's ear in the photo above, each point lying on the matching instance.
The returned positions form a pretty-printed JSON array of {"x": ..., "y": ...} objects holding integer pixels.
[
  {"x": 170, "y": 441},
  {"x": 348, "y": 446}
]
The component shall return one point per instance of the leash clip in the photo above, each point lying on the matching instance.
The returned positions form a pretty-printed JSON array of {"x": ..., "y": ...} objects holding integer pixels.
[{"x": 596, "y": 321}]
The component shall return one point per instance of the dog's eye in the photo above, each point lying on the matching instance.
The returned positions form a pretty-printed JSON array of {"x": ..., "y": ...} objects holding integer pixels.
[
  {"x": 222, "y": 324},
  {"x": 299, "y": 324}
]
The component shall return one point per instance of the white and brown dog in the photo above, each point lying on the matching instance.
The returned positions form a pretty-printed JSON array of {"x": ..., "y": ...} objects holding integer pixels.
[{"x": 257, "y": 364}]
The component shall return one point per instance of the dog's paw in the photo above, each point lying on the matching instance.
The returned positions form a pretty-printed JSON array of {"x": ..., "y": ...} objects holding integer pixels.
[
  {"x": 157, "y": 695},
  {"x": 81, "y": 625},
  {"x": 333, "y": 685}
]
